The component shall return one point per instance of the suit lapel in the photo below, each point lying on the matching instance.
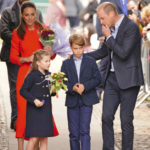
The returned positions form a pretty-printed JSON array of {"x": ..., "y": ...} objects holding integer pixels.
[
  {"x": 83, "y": 66},
  {"x": 72, "y": 65},
  {"x": 122, "y": 26}
]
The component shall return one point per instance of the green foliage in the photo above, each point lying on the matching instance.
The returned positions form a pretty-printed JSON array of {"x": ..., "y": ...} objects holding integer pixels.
[{"x": 58, "y": 82}]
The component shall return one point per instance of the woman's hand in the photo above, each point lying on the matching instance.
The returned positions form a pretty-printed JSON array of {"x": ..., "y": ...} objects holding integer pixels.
[
  {"x": 48, "y": 48},
  {"x": 26, "y": 59}
]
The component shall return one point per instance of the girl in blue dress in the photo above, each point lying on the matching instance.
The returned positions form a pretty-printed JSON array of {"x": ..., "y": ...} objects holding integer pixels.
[{"x": 35, "y": 89}]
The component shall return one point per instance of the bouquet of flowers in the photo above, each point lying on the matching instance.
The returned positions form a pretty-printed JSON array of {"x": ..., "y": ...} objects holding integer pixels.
[
  {"x": 47, "y": 37},
  {"x": 62, "y": 46},
  {"x": 56, "y": 80}
]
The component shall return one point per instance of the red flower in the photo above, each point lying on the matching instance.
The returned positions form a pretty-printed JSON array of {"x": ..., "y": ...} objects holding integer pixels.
[
  {"x": 50, "y": 32},
  {"x": 47, "y": 34},
  {"x": 59, "y": 80}
]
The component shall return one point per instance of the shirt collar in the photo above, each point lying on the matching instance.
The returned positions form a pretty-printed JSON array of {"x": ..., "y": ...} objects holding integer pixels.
[
  {"x": 76, "y": 59},
  {"x": 119, "y": 22}
]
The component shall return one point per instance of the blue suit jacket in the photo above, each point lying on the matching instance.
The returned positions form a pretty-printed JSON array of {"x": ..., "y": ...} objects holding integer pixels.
[
  {"x": 89, "y": 76},
  {"x": 126, "y": 59}
]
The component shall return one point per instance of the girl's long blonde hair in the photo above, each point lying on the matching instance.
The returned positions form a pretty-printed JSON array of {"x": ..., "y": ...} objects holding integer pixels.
[{"x": 38, "y": 55}]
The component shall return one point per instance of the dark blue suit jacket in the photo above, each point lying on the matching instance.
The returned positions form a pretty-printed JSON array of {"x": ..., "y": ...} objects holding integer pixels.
[
  {"x": 126, "y": 54},
  {"x": 89, "y": 76}
]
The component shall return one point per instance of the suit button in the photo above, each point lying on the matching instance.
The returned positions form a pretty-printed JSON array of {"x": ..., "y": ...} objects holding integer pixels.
[
  {"x": 47, "y": 95},
  {"x": 44, "y": 95},
  {"x": 42, "y": 77},
  {"x": 43, "y": 86},
  {"x": 46, "y": 85}
]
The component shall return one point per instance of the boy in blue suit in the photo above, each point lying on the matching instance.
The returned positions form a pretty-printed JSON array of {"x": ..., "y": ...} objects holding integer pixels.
[{"x": 83, "y": 77}]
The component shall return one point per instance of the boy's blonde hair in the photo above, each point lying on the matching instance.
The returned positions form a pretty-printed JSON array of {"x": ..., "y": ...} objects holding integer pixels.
[
  {"x": 38, "y": 55},
  {"x": 77, "y": 39}
]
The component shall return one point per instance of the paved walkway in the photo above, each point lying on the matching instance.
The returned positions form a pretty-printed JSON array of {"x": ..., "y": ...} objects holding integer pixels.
[
  {"x": 3, "y": 126},
  {"x": 7, "y": 136}
]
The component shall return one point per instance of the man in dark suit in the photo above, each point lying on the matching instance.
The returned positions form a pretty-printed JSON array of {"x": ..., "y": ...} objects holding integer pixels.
[
  {"x": 10, "y": 19},
  {"x": 121, "y": 6},
  {"x": 124, "y": 74},
  {"x": 81, "y": 94}
]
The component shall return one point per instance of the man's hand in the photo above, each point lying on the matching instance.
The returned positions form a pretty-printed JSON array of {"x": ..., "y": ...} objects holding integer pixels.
[
  {"x": 69, "y": 56},
  {"x": 106, "y": 31},
  {"x": 101, "y": 39},
  {"x": 38, "y": 103}
]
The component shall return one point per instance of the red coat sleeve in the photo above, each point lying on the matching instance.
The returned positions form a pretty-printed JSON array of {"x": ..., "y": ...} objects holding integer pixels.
[{"x": 14, "y": 51}]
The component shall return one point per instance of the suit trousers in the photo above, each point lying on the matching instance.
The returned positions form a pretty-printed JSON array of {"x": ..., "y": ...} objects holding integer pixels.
[
  {"x": 113, "y": 96},
  {"x": 12, "y": 70},
  {"x": 79, "y": 119}
]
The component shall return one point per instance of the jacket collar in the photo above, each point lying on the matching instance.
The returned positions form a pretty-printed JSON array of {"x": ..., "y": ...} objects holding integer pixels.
[
  {"x": 82, "y": 55},
  {"x": 122, "y": 26},
  {"x": 41, "y": 74}
]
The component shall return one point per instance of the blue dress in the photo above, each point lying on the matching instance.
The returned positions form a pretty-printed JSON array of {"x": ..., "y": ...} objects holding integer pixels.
[{"x": 39, "y": 120}]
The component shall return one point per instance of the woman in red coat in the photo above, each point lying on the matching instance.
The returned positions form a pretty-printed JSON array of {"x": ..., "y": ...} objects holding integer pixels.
[{"x": 25, "y": 41}]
